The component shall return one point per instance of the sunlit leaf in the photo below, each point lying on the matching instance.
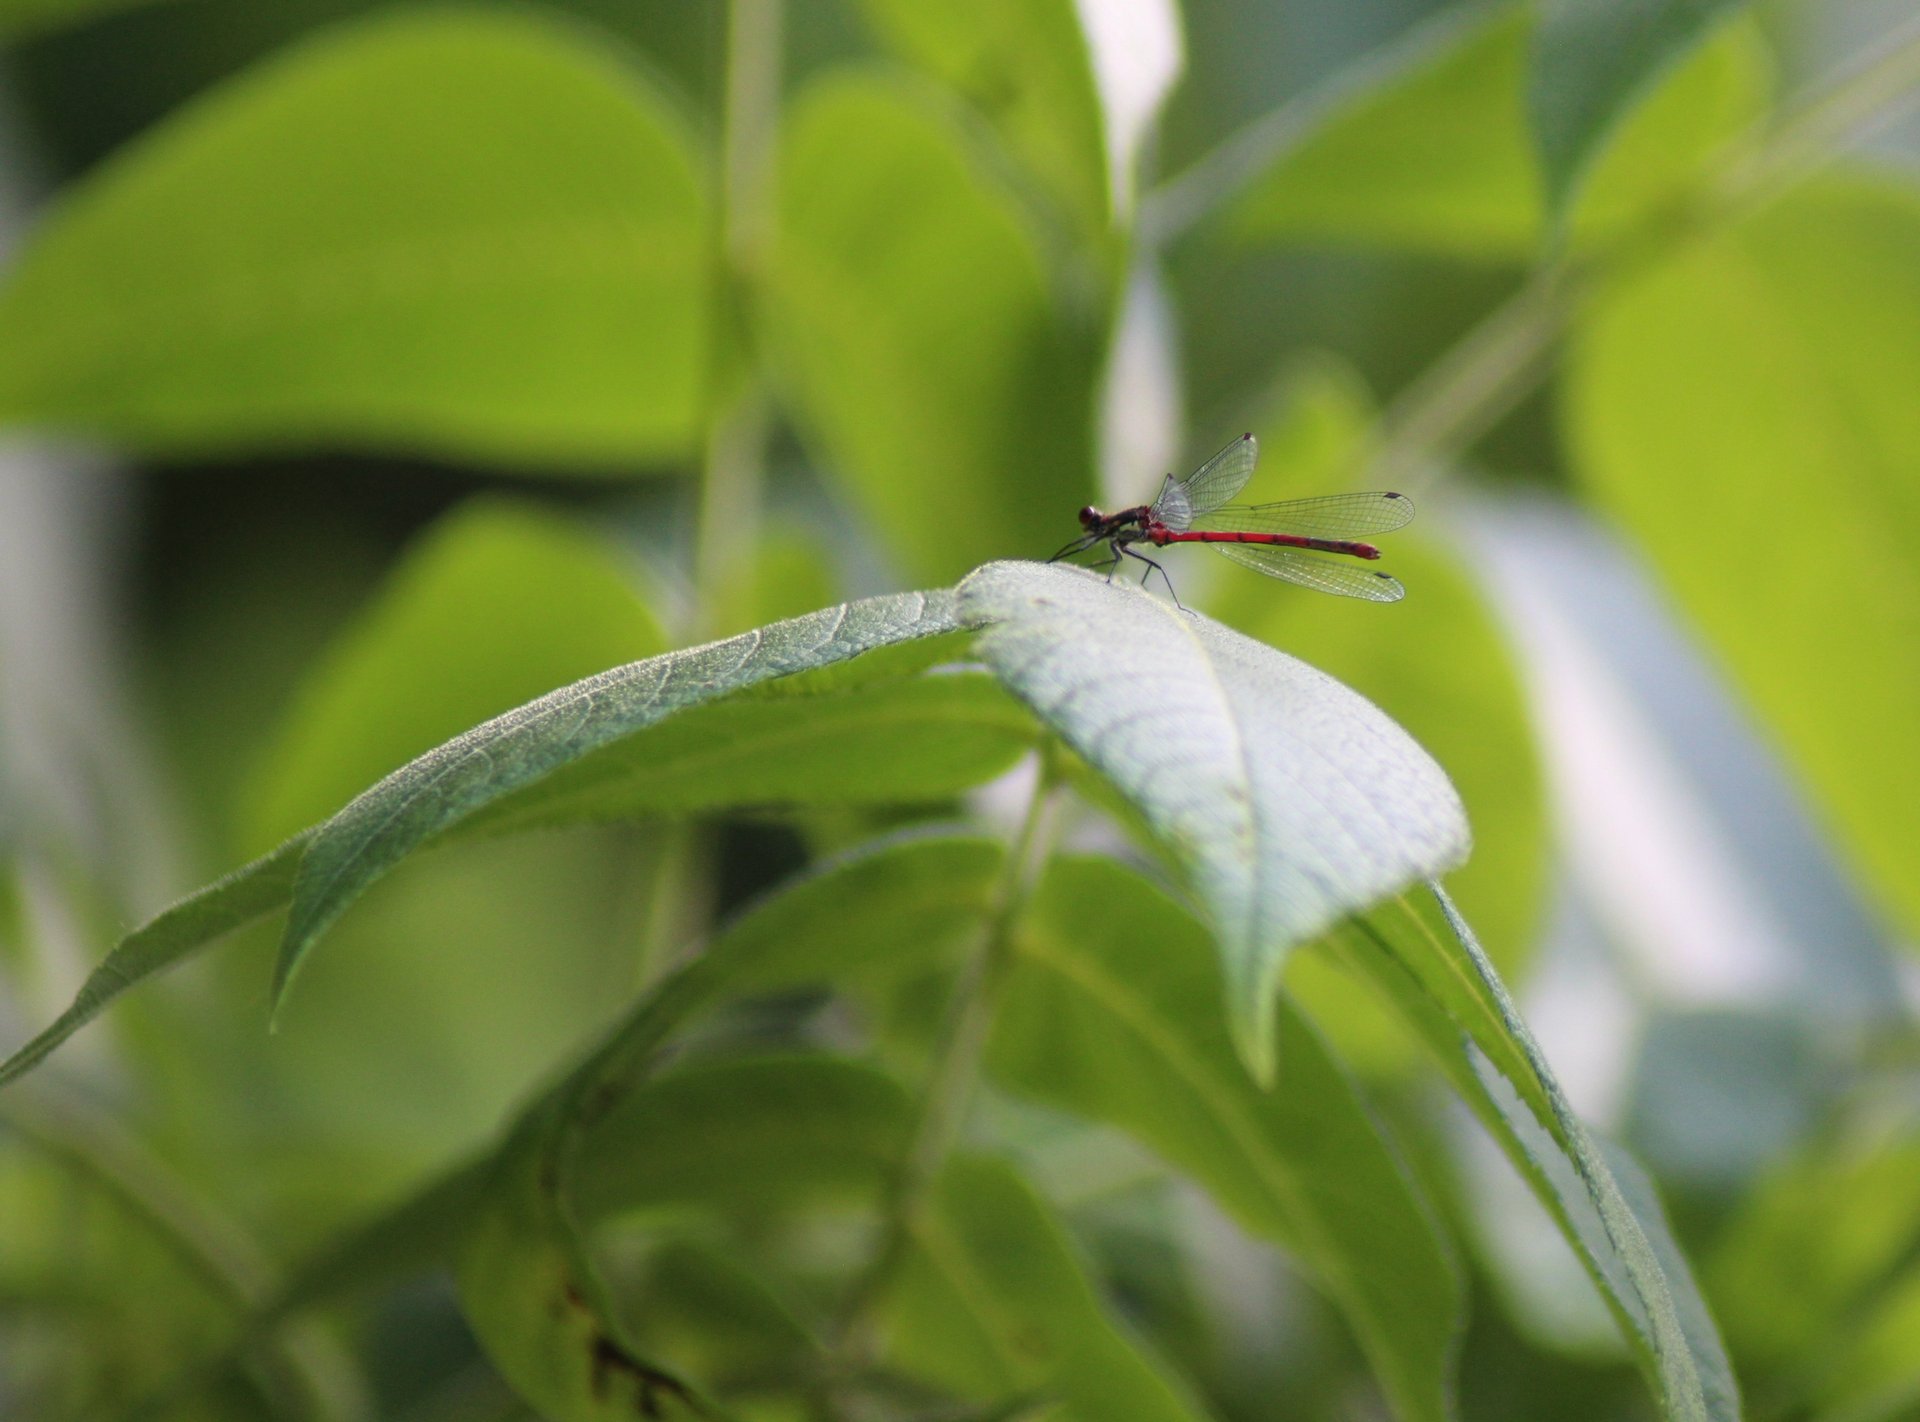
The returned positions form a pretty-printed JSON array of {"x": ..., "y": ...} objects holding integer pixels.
[
  {"x": 515, "y": 271},
  {"x": 1745, "y": 409},
  {"x": 1592, "y": 61},
  {"x": 991, "y": 1303},
  {"x": 1026, "y": 64},
  {"x": 459, "y": 779},
  {"x": 494, "y": 606},
  {"x": 1287, "y": 800},
  {"x": 1430, "y": 150},
  {"x": 913, "y": 321},
  {"x": 1111, "y": 1013}
]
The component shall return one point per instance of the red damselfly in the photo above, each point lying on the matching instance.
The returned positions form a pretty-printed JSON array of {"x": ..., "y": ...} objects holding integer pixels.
[{"x": 1304, "y": 541}]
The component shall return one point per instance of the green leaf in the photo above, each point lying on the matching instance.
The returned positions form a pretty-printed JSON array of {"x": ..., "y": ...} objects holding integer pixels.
[
  {"x": 1759, "y": 384},
  {"x": 1287, "y": 800},
  {"x": 990, "y": 1302},
  {"x": 1026, "y": 65},
  {"x": 457, "y": 780},
  {"x": 1110, "y": 1013},
  {"x": 912, "y": 319},
  {"x": 1592, "y": 63},
  {"x": 747, "y": 1137},
  {"x": 495, "y": 605},
  {"x": 313, "y": 256},
  {"x": 1439, "y": 665},
  {"x": 919, "y": 738},
  {"x": 248, "y": 893},
  {"x": 1428, "y": 148},
  {"x": 1422, "y": 956}
]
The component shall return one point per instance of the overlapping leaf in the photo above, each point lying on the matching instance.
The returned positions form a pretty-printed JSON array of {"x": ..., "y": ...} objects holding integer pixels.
[{"x": 1287, "y": 800}]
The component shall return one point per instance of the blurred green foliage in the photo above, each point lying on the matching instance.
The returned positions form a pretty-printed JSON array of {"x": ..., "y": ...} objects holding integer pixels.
[{"x": 885, "y": 1021}]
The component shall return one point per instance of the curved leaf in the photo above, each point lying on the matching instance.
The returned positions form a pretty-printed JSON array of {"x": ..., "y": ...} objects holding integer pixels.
[
  {"x": 1288, "y": 801},
  {"x": 516, "y": 270},
  {"x": 1423, "y": 957},
  {"x": 493, "y": 606},
  {"x": 29, "y": 17},
  {"x": 456, "y": 781},
  {"x": 1109, "y": 1012},
  {"x": 249, "y": 892}
]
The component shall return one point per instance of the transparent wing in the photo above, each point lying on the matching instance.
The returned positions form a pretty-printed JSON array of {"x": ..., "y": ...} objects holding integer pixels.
[
  {"x": 1311, "y": 570},
  {"x": 1171, "y": 507},
  {"x": 1345, "y": 516},
  {"x": 1216, "y": 481}
]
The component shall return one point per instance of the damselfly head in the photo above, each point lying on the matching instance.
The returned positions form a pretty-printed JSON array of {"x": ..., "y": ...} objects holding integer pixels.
[{"x": 1090, "y": 517}]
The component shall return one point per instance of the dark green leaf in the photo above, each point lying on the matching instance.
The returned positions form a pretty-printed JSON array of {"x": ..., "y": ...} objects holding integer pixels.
[
  {"x": 991, "y": 1303},
  {"x": 1592, "y": 63},
  {"x": 1288, "y": 801},
  {"x": 912, "y": 314},
  {"x": 494, "y": 606},
  {"x": 28, "y": 17},
  {"x": 1110, "y": 1012},
  {"x": 314, "y": 255},
  {"x": 1745, "y": 409},
  {"x": 456, "y": 781}
]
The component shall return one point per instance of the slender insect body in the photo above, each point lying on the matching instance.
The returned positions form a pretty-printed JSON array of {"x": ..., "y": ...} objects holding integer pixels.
[{"x": 1282, "y": 540}]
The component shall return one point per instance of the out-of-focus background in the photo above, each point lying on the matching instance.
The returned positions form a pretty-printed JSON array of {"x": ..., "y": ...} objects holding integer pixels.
[{"x": 369, "y": 368}]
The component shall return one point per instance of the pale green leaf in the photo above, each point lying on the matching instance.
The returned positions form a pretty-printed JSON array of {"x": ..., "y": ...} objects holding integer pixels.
[
  {"x": 1026, "y": 65},
  {"x": 468, "y": 233},
  {"x": 1110, "y": 1012},
  {"x": 913, "y": 323},
  {"x": 991, "y": 1303},
  {"x": 1287, "y": 800},
  {"x": 459, "y": 779},
  {"x": 1592, "y": 62},
  {"x": 1431, "y": 151},
  {"x": 1745, "y": 409},
  {"x": 495, "y": 605},
  {"x": 1422, "y": 956}
]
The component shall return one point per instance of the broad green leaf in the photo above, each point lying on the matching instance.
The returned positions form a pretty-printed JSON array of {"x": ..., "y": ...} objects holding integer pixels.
[
  {"x": 1433, "y": 153},
  {"x": 459, "y": 779},
  {"x": 248, "y": 893},
  {"x": 1439, "y": 665},
  {"x": 1026, "y": 65},
  {"x": 1745, "y": 409},
  {"x": 1110, "y": 1012},
  {"x": 1287, "y": 800},
  {"x": 919, "y": 738},
  {"x": 492, "y": 607},
  {"x": 912, "y": 320},
  {"x": 1592, "y": 62},
  {"x": 991, "y": 1303},
  {"x": 29, "y": 17},
  {"x": 313, "y": 256},
  {"x": 1421, "y": 955}
]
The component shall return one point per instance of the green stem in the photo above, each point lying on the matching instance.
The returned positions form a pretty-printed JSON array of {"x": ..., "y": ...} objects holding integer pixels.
[{"x": 951, "y": 1078}]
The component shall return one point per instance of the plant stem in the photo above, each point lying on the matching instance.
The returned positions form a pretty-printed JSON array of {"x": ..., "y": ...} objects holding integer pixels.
[
  {"x": 739, "y": 421},
  {"x": 951, "y": 1078}
]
